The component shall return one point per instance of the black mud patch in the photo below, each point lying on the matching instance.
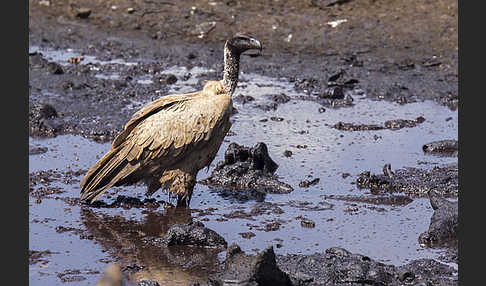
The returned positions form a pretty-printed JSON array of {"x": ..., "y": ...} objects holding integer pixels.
[
  {"x": 247, "y": 169},
  {"x": 127, "y": 202},
  {"x": 36, "y": 256},
  {"x": 40, "y": 182},
  {"x": 337, "y": 266},
  {"x": 241, "y": 268},
  {"x": 389, "y": 200},
  {"x": 75, "y": 275},
  {"x": 443, "y": 223},
  {"x": 442, "y": 147},
  {"x": 413, "y": 181},
  {"x": 395, "y": 124},
  {"x": 191, "y": 234}
]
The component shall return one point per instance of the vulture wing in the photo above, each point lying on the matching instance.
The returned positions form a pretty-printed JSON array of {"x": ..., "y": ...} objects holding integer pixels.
[{"x": 159, "y": 134}]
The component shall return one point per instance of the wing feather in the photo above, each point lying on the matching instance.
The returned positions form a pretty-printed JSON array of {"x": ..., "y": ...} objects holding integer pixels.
[{"x": 164, "y": 128}]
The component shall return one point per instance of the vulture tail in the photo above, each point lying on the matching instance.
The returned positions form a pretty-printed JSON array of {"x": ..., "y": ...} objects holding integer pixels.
[{"x": 108, "y": 171}]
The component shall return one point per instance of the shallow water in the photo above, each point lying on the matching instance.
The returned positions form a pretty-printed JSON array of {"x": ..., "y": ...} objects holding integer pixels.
[{"x": 385, "y": 233}]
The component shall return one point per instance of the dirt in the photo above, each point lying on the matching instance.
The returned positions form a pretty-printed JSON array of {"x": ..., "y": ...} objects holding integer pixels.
[
  {"x": 92, "y": 64},
  {"x": 395, "y": 50},
  {"x": 247, "y": 169},
  {"x": 413, "y": 181}
]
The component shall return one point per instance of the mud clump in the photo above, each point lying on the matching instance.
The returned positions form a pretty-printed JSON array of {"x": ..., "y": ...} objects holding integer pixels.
[
  {"x": 337, "y": 266},
  {"x": 126, "y": 202},
  {"x": 442, "y": 147},
  {"x": 36, "y": 256},
  {"x": 252, "y": 270},
  {"x": 247, "y": 169},
  {"x": 44, "y": 121},
  {"x": 392, "y": 200},
  {"x": 389, "y": 124},
  {"x": 306, "y": 184},
  {"x": 193, "y": 233},
  {"x": 443, "y": 223},
  {"x": 413, "y": 181}
]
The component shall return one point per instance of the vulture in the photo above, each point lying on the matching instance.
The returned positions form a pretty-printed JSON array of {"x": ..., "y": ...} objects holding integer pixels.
[{"x": 170, "y": 139}]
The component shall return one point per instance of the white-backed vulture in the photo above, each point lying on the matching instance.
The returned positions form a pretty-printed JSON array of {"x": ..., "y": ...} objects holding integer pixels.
[{"x": 170, "y": 139}]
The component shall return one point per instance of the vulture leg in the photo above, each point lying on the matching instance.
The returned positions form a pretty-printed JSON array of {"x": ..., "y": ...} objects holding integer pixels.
[{"x": 181, "y": 183}]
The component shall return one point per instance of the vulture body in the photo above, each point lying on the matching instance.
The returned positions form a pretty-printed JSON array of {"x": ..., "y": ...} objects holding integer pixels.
[{"x": 170, "y": 139}]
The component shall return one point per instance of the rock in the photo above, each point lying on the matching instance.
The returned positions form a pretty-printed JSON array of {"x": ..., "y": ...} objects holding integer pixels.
[
  {"x": 287, "y": 153},
  {"x": 255, "y": 270},
  {"x": 443, "y": 223},
  {"x": 83, "y": 13},
  {"x": 442, "y": 147},
  {"x": 166, "y": 79},
  {"x": 55, "y": 68},
  {"x": 247, "y": 169},
  {"x": 333, "y": 92},
  {"x": 281, "y": 98},
  {"x": 194, "y": 233}
]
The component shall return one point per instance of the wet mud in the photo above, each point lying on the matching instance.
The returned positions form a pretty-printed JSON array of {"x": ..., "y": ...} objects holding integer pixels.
[
  {"x": 413, "y": 181},
  {"x": 338, "y": 266},
  {"x": 247, "y": 169},
  {"x": 386, "y": 70},
  {"x": 443, "y": 223},
  {"x": 442, "y": 147}
]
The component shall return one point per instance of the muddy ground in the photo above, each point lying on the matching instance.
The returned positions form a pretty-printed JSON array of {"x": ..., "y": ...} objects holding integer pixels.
[{"x": 394, "y": 51}]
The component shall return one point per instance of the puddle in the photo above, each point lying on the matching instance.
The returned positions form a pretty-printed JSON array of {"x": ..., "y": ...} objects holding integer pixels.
[{"x": 385, "y": 233}]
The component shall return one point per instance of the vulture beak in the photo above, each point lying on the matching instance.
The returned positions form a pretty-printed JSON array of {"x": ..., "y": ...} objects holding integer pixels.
[{"x": 257, "y": 45}]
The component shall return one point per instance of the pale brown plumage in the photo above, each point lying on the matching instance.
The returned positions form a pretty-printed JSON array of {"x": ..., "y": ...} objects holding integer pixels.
[{"x": 170, "y": 139}]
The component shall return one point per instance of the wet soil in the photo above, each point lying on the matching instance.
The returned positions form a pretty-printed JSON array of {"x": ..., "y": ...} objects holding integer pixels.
[{"x": 358, "y": 63}]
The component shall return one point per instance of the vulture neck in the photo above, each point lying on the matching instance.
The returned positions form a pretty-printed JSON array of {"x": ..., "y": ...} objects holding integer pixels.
[{"x": 231, "y": 69}]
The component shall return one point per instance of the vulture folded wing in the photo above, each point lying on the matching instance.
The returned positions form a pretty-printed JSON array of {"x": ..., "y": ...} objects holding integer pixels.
[{"x": 158, "y": 134}]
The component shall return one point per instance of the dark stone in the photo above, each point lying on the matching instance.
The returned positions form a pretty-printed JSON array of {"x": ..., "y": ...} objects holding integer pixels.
[
  {"x": 247, "y": 169},
  {"x": 443, "y": 223},
  {"x": 281, "y": 98},
  {"x": 240, "y": 98},
  {"x": 55, "y": 68},
  {"x": 254, "y": 270},
  {"x": 166, "y": 79},
  {"x": 333, "y": 92},
  {"x": 83, "y": 13}
]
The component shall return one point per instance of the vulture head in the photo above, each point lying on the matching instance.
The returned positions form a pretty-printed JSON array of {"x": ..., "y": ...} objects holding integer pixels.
[{"x": 241, "y": 42}]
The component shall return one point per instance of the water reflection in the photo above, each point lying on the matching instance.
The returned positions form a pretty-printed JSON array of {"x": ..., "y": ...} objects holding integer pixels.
[{"x": 129, "y": 243}]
